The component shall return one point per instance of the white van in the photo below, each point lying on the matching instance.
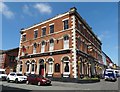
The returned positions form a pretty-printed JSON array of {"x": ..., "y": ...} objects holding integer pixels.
[
  {"x": 110, "y": 74},
  {"x": 3, "y": 75}
]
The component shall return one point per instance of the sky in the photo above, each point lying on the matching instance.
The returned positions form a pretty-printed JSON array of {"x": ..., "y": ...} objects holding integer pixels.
[{"x": 102, "y": 17}]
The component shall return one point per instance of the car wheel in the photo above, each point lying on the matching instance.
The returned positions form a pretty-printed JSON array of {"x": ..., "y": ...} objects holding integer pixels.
[
  {"x": 39, "y": 83},
  {"x": 27, "y": 82},
  {"x": 16, "y": 80},
  {"x": 8, "y": 80}
]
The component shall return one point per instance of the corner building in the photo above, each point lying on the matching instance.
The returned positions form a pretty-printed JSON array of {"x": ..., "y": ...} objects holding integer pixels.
[{"x": 63, "y": 46}]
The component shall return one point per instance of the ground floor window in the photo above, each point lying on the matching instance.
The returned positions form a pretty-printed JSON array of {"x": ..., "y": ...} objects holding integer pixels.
[
  {"x": 33, "y": 66},
  {"x": 66, "y": 67},
  {"x": 20, "y": 67},
  {"x": 57, "y": 67},
  {"x": 27, "y": 66},
  {"x": 50, "y": 66}
]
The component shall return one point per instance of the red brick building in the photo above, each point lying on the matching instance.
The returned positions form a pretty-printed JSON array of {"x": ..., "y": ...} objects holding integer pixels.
[
  {"x": 8, "y": 59},
  {"x": 63, "y": 46}
]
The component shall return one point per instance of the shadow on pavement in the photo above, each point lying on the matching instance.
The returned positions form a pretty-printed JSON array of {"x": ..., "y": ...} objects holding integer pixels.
[{"x": 12, "y": 89}]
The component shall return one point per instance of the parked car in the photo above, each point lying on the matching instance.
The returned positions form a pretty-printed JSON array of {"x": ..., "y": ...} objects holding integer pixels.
[
  {"x": 38, "y": 79},
  {"x": 109, "y": 74},
  {"x": 3, "y": 75},
  {"x": 117, "y": 73},
  {"x": 16, "y": 77}
]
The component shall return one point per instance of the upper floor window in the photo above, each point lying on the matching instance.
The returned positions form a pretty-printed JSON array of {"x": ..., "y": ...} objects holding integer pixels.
[
  {"x": 66, "y": 26},
  {"x": 34, "y": 47},
  {"x": 52, "y": 29},
  {"x": 24, "y": 37},
  {"x": 43, "y": 46},
  {"x": 51, "y": 45},
  {"x": 35, "y": 34},
  {"x": 79, "y": 26},
  {"x": 23, "y": 50},
  {"x": 79, "y": 42},
  {"x": 66, "y": 42},
  {"x": 43, "y": 31}
]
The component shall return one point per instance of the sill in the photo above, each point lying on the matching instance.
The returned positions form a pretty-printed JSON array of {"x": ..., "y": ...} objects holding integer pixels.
[
  {"x": 49, "y": 73},
  {"x": 66, "y": 73},
  {"x": 32, "y": 72}
]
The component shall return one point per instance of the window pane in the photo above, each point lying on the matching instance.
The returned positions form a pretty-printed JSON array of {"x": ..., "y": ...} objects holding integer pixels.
[
  {"x": 33, "y": 65},
  {"x": 24, "y": 37},
  {"x": 52, "y": 29},
  {"x": 35, "y": 34},
  {"x": 66, "y": 69},
  {"x": 57, "y": 67},
  {"x": 43, "y": 31},
  {"x": 27, "y": 67},
  {"x": 20, "y": 68},
  {"x": 66, "y": 24}
]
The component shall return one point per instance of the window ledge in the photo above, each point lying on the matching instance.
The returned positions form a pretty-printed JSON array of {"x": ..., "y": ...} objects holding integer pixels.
[{"x": 66, "y": 73}]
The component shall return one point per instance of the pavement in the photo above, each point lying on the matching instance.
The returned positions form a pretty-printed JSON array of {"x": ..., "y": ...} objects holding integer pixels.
[{"x": 101, "y": 86}]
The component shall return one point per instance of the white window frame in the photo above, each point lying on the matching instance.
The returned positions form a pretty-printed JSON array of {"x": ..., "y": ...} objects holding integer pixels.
[
  {"x": 23, "y": 54},
  {"x": 34, "y": 49},
  {"x": 64, "y": 63},
  {"x": 49, "y": 28},
  {"x": 29, "y": 68},
  {"x": 43, "y": 47},
  {"x": 66, "y": 43},
  {"x": 51, "y": 45},
  {"x": 34, "y": 33},
  {"x": 50, "y": 66},
  {"x": 33, "y": 63}
]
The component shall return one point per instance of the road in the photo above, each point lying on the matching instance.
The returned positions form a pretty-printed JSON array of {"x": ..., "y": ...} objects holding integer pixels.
[{"x": 102, "y": 85}]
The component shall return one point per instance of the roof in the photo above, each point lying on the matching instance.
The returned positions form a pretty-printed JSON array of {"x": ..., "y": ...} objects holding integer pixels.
[{"x": 5, "y": 51}]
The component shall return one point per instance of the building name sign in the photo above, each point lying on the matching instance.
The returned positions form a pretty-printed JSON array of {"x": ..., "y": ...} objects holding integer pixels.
[{"x": 46, "y": 54}]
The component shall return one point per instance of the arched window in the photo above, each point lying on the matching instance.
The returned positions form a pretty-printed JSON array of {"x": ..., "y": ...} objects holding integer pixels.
[
  {"x": 51, "y": 45},
  {"x": 50, "y": 66},
  {"x": 27, "y": 66},
  {"x": 43, "y": 47},
  {"x": 33, "y": 66},
  {"x": 20, "y": 66},
  {"x": 23, "y": 50},
  {"x": 66, "y": 42},
  {"x": 34, "y": 47},
  {"x": 66, "y": 65},
  {"x": 57, "y": 67}
]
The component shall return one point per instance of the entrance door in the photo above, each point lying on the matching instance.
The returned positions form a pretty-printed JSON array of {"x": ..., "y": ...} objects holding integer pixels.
[{"x": 41, "y": 67}]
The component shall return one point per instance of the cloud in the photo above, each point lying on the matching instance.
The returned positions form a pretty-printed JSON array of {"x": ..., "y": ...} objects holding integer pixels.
[
  {"x": 26, "y": 10},
  {"x": 43, "y": 8},
  {"x": 4, "y": 9}
]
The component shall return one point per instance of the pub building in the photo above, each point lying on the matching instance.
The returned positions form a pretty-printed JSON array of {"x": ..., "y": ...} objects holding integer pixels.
[{"x": 62, "y": 46}]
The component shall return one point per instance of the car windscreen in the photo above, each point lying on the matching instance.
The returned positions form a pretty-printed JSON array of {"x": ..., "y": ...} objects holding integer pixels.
[
  {"x": 19, "y": 75},
  {"x": 2, "y": 72},
  {"x": 109, "y": 71}
]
